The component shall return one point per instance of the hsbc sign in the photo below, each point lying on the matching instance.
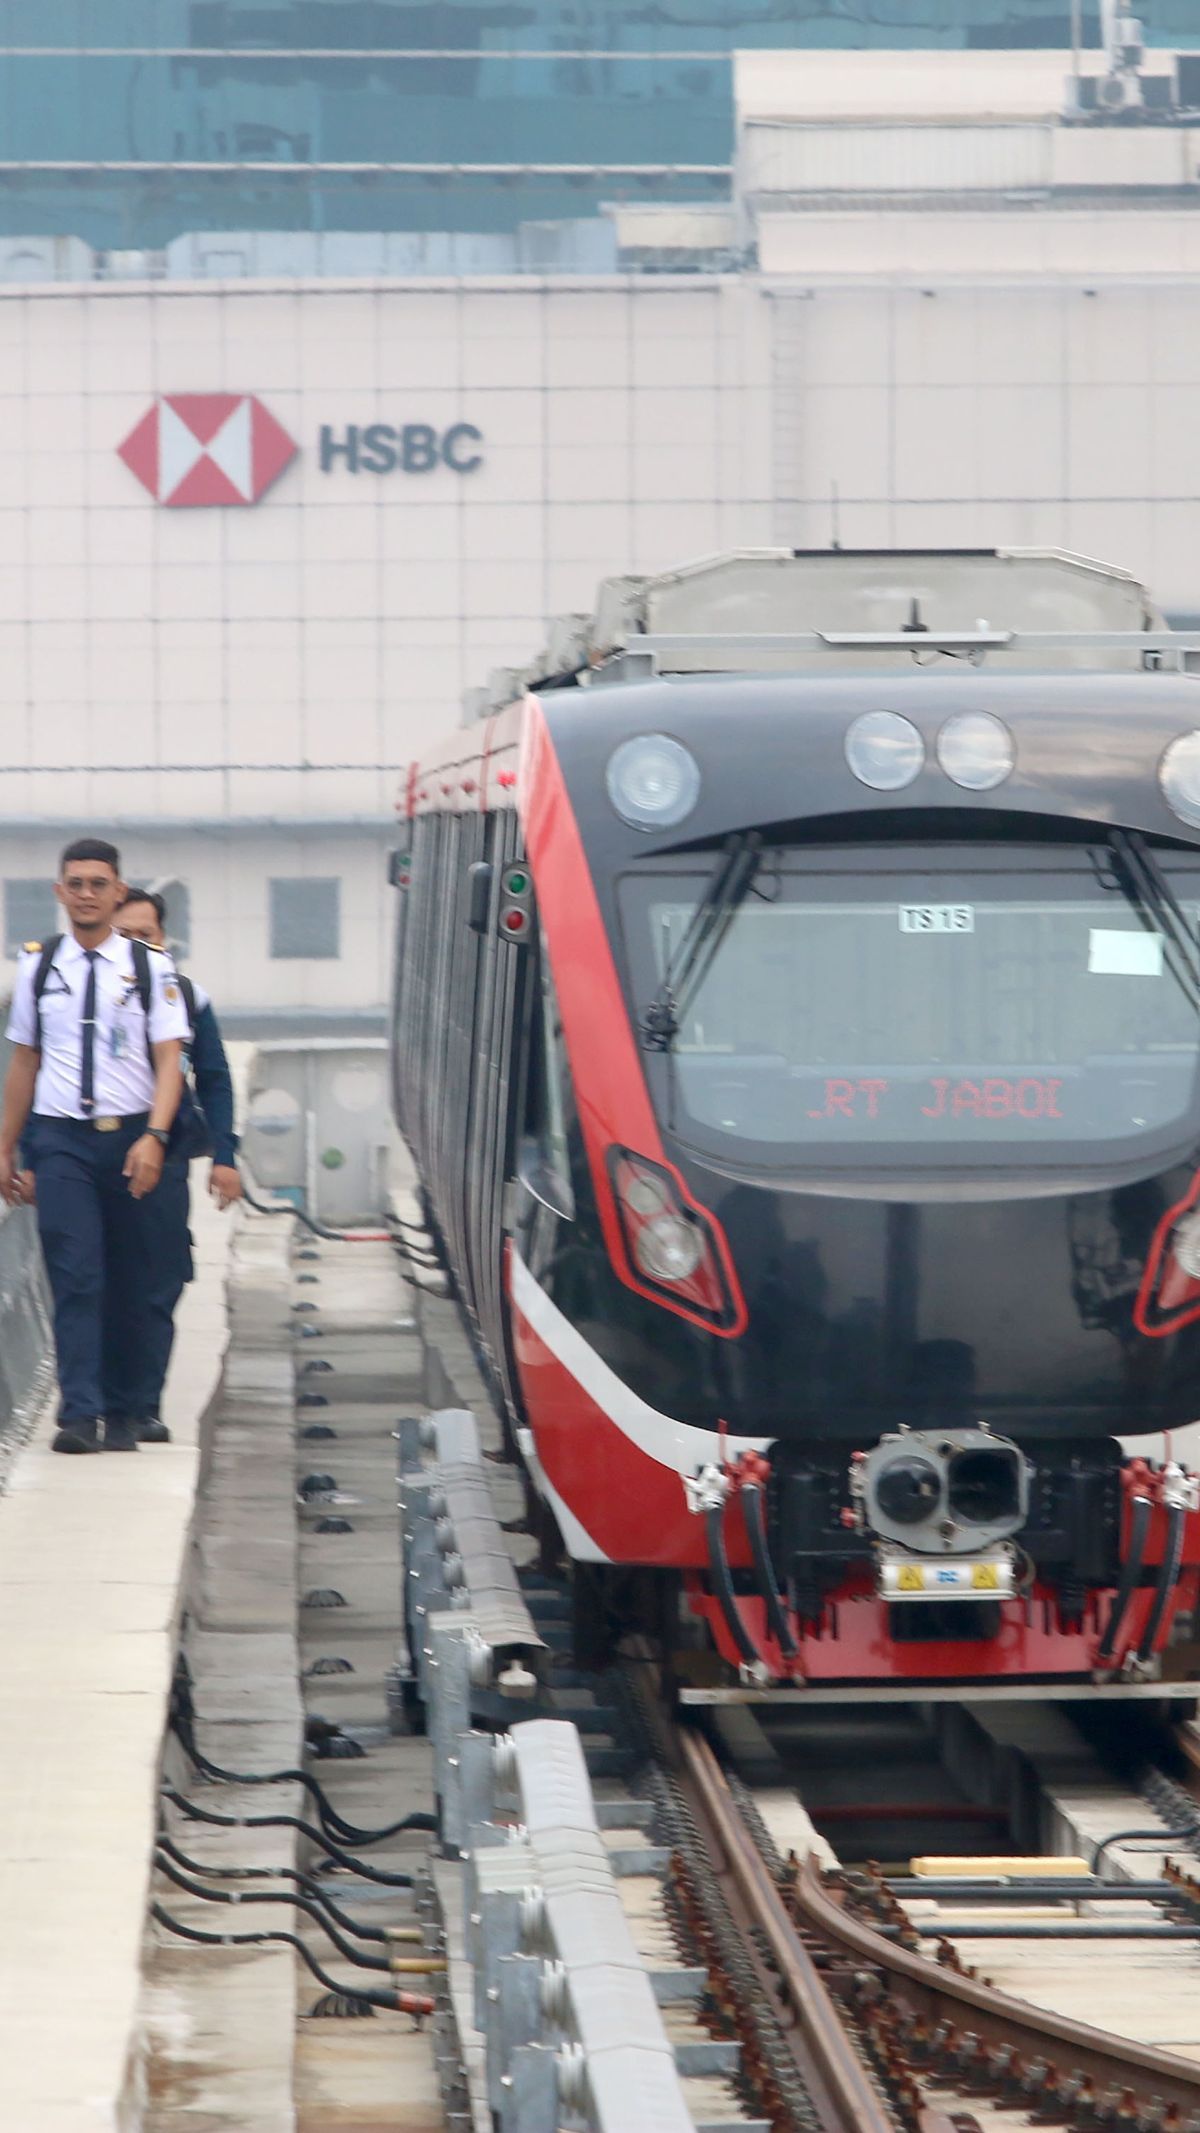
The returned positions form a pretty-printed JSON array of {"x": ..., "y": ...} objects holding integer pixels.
[
  {"x": 207, "y": 448},
  {"x": 193, "y": 449}
]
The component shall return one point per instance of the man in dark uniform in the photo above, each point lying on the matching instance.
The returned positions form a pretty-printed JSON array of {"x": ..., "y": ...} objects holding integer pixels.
[
  {"x": 143, "y": 917},
  {"x": 92, "y": 1092}
]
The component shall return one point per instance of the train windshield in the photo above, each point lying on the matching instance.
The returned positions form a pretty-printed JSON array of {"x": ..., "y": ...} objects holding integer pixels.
[{"x": 927, "y": 998}]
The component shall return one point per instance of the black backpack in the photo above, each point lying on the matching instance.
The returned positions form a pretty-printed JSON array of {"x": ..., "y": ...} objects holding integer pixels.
[{"x": 189, "y": 1129}]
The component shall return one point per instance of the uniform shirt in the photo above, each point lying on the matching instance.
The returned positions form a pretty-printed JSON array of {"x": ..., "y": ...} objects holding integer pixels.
[{"x": 123, "y": 1077}]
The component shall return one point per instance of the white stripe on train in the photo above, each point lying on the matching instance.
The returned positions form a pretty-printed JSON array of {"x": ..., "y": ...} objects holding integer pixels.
[{"x": 677, "y": 1445}]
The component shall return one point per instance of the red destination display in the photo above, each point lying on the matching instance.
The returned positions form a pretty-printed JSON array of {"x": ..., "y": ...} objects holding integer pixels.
[{"x": 993, "y": 1096}]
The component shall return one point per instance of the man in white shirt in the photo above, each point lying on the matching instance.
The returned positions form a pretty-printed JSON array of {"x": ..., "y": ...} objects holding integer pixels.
[{"x": 92, "y": 1090}]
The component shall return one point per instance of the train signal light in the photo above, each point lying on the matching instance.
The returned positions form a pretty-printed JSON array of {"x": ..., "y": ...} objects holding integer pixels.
[{"x": 515, "y": 916}]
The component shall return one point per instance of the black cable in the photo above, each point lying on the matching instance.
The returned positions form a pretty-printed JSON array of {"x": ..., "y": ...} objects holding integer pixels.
[
  {"x": 1168, "y": 1578},
  {"x": 328, "y": 1812},
  {"x": 1131, "y": 1570},
  {"x": 277, "y": 1896},
  {"x": 718, "y": 1563},
  {"x": 414, "y": 2003},
  {"x": 304, "y": 1883},
  {"x": 306, "y": 1829},
  {"x": 756, "y": 1527},
  {"x": 345, "y": 1236},
  {"x": 1141, "y": 1836}
]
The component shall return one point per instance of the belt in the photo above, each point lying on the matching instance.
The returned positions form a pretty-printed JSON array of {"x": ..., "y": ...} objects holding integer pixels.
[{"x": 106, "y": 1123}]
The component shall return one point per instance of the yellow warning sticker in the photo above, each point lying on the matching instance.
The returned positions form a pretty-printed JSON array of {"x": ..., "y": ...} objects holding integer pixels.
[
  {"x": 984, "y": 1577},
  {"x": 910, "y": 1577}
]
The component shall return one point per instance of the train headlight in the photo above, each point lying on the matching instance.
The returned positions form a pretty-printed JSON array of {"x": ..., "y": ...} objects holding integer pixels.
[
  {"x": 644, "y": 1195},
  {"x": 668, "y": 1248},
  {"x": 884, "y": 750},
  {"x": 1185, "y": 1244},
  {"x": 1179, "y": 777},
  {"x": 976, "y": 750},
  {"x": 653, "y": 781}
]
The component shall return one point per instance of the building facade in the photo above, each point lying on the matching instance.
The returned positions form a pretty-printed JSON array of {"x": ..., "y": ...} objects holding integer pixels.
[
  {"x": 237, "y": 686},
  {"x": 259, "y": 534},
  {"x": 126, "y": 123}
]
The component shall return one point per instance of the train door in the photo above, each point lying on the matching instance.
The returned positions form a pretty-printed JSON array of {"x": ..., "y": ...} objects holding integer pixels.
[
  {"x": 502, "y": 993},
  {"x": 467, "y": 951}
]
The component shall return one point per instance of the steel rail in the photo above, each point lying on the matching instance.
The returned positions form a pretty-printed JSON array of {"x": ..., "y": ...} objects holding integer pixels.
[
  {"x": 853, "y": 2104},
  {"x": 997, "y": 2018}
]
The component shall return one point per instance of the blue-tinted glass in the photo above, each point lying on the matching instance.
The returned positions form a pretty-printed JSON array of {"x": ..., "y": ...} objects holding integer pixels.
[
  {"x": 601, "y": 82},
  {"x": 603, "y": 25},
  {"x": 561, "y": 109}
]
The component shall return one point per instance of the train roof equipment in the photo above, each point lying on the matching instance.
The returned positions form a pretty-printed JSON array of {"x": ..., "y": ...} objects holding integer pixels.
[{"x": 785, "y": 610}]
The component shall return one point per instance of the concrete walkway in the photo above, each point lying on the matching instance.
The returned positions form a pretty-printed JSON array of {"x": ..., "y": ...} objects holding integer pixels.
[{"x": 92, "y": 1561}]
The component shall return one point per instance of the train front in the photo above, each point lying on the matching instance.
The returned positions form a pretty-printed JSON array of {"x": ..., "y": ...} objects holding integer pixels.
[{"x": 862, "y": 1210}]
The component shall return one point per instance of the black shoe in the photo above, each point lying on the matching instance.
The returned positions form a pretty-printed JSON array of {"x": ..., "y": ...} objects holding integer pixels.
[
  {"x": 153, "y": 1431},
  {"x": 120, "y": 1434},
  {"x": 76, "y": 1437}
]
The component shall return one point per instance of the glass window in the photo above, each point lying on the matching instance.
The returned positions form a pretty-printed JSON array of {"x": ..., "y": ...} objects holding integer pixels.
[
  {"x": 922, "y": 1002},
  {"x": 277, "y": 83},
  {"x": 554, "y": 1081},
  {"x": 31, "y": 913},
  {"x": 306, "y": 918}
]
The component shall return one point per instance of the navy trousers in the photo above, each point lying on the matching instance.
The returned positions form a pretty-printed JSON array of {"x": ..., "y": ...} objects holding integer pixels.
[
  {"x": 172, "y": 1270},
  {"x": 101, "y": 1247}
]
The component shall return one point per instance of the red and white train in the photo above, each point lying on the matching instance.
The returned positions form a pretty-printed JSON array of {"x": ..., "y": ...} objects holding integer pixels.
[{"x": 797, "y": 1032}]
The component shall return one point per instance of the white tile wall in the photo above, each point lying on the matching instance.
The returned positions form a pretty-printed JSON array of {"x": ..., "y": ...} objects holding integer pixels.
[{"x": 625, "y": 426}]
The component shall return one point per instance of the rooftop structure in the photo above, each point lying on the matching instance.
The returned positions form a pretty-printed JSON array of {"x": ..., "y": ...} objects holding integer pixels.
[{"x": 130, "y": 125}]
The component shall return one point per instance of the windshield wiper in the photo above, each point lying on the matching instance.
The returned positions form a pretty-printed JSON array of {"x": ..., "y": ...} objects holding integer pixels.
[
  {"x": 706, "y": 929},
  {"x": 1145, "y": 881}
]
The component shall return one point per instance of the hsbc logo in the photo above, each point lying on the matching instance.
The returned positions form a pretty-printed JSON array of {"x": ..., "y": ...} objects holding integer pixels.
[
  {"x": 227, "y": 448},
  {"x": 207, "y": 448}
]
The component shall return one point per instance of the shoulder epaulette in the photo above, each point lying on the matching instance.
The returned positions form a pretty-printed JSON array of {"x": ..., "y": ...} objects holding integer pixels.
[
  {"x": 30, "y": 947},
  {"x": 154, "y": 948}
]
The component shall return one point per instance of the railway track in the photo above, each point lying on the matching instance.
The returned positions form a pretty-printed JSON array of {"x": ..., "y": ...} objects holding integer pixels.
[{"x": 849, "y": 1977}]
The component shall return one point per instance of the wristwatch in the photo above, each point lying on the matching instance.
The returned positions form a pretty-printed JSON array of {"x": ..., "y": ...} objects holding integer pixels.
[{"x": 159, "y": 1134}]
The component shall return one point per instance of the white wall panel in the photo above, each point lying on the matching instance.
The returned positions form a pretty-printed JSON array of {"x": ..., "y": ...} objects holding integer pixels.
[
  {"x": 1108, "y": 441},
  {"x": 873, "y": 158},
  {"x": 1108, "y": 334},
  {"x": 1021, "y": 443},
  {"x": 844, "y": 442}
]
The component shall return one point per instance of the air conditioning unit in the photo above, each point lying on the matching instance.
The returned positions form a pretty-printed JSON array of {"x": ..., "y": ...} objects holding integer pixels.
[
  {"x": 46, "y": 259},
  {"x": 1120, "y": 92}
]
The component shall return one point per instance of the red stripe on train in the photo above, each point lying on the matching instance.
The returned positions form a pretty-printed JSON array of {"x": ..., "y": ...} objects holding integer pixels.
[
  {"x": 632, "y": 1507},
  {"x": 610, "y": 1086}
]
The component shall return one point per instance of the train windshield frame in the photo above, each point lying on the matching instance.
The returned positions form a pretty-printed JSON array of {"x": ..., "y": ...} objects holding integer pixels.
[{"x": 933, "y": 1006}]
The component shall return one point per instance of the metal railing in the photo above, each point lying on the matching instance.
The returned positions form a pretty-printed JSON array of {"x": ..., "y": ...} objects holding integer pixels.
[{"x": 26, "y": 1338}]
